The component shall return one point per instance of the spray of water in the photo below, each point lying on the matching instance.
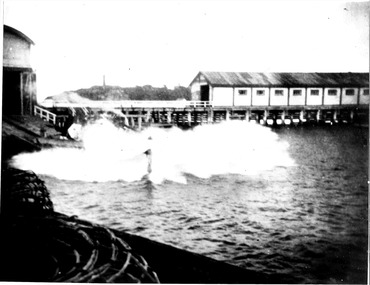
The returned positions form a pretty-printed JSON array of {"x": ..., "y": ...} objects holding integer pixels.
[{"x": 114, "y": 154}]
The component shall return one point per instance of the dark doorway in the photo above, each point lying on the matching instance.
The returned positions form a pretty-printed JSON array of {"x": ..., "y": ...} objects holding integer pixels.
[
  {"x": 11, "y": 92},
  {"x": 204, "y": 93}
]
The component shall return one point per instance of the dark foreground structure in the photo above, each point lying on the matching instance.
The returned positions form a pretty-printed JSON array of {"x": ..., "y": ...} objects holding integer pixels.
[{"x": 40, "y": 245}]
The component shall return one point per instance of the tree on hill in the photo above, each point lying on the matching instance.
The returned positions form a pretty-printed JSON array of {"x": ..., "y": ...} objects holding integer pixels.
[{"x": 103, "y": 93}]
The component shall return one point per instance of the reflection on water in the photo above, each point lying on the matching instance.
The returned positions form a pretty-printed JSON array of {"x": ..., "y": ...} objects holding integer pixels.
[{"x": 302, "y": 213}]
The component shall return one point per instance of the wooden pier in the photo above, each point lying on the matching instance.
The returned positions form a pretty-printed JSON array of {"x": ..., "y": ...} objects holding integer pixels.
[{"x": 140, "y": 114}]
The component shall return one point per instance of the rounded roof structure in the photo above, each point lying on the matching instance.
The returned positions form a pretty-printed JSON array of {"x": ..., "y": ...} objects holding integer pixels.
[{"x": 13, "y": 31}]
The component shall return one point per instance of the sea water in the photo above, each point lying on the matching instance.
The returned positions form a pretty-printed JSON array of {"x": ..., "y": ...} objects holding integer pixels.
[{"x": 292, "y": 200}]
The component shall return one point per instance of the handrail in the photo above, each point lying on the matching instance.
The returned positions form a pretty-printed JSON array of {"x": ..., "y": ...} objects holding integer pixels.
[
  {"x": 130, "y": 104},
  {"x": 45, "y": 114}
]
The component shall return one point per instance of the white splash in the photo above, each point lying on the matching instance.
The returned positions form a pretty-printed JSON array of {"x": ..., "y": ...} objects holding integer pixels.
[{"x": 114, "y": 154}]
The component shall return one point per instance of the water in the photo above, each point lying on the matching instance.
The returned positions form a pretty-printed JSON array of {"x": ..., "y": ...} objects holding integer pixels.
[{"x": 292, "y": 200}]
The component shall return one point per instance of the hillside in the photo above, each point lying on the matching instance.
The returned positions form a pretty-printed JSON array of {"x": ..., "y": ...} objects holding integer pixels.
[
  {"x": 67, "y": 97},
  {"x": 146, "y": 92}
]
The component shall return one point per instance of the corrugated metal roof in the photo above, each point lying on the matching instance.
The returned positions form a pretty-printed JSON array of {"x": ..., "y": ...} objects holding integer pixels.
[{"x": 285, "y": 79}]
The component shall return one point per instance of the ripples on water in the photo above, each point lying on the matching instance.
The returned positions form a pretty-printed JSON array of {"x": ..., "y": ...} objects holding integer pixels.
[{"x": 307, "y": 220}]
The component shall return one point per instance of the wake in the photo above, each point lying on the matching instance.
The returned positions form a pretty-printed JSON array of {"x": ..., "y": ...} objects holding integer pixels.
[{"x": 112, "y": 154}]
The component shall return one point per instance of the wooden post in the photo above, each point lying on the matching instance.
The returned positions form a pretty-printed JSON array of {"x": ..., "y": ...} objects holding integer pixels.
[
  {"x": 318, "y": 114},
  {"x": 169, "y": 117},
  {"x": 127, "y": 121},
  {"x": 301, "y": 115},
  {"x": 157, "y": 117},
  {"x": 233, "y": 97},
  {"x": 265, "y": 114},
  {"x": 147, "y": 117},
  {"x": 139, "y": 122}
]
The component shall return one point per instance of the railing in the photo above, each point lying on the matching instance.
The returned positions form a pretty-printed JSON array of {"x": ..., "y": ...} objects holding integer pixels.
[
  {"x": 200, "y": 104},
  {"x": 129, "y": 104},
  {"x": 45, "y": 115}
]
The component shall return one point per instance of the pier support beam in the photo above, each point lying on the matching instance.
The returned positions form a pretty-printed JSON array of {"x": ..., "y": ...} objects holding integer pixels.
[
  {"x": 227, "y": 115},
  {"x": 265, "y": 115},
  {"x": 352, "y": 115},
  {"x": 335, "y": 116},
  {"x": 210, "y": 116},
  {"x": 189, "y": 118},
  {"x": 139, "y": 119},
  {"x": 169, "y": 117},
  {"x": 125, "y": 121},
  {"x": 147, "y": 117},
  {"x": 247, "y": 115}
]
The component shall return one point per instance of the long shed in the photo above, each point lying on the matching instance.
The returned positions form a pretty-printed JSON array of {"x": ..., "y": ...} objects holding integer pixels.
[{"x": 281, "y": 89}]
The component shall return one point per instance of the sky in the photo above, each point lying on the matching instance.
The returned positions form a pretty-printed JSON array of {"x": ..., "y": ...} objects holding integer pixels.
[{"x": 166, "y": 43}]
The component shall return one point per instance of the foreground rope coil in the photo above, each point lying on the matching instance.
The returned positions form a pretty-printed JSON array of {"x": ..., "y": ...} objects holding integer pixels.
[{"x": 40, "y": 245}]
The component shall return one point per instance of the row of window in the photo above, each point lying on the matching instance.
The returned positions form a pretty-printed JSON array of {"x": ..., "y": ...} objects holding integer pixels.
[{"x": 314, "y": 92}]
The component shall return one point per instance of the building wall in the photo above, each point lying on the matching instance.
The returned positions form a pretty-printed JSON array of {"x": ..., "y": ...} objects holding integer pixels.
[
  {"x": 195, "y": 87},
  {"x": 348, "y": 98},
  {"x": 364, "y": 96},
  {"x": 297, "y": 99},
  {"x": 195, "y": 91},
  {"x": 241, "y": 99},
  {"x": 16, "y": 51},
  {"x": 229, "y": 96},
  {"x": 223, "y": 96},
  {"x": 330, "y": 99},
  {"x": 313, "y": 98},
  {"x": 19, "y": 84},
  {"x": 277, "y": 99},
  {"x": 260, "y": 99}
]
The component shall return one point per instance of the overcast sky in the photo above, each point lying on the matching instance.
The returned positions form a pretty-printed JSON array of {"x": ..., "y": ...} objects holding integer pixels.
[{"x": 168, "y": 42}]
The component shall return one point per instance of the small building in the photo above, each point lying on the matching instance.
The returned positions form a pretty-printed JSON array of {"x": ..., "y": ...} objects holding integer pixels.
[
  {"x": 281, "y": 89},
  {"x": 19, "y": 80}
]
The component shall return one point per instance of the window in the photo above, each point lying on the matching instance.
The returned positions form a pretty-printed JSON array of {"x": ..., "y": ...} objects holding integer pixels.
[
  {"x": 315, "y": 92},
  {"x": 242, "y": 92},
  {"x": 332, "y": 92},
  {"x": 297, "y": 92},
  {"x": 366, "y": 92},
  {"x": 260, "y": 92},
  {"x": 279, "y": 92},
  {"x": 350, "y": 92}
]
